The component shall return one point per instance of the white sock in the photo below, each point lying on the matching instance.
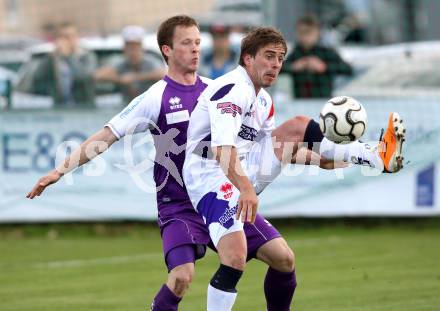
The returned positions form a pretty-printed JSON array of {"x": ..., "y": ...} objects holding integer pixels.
[
  {"x": 219, "y": 300},
  {"x": 355, "y": 152}
]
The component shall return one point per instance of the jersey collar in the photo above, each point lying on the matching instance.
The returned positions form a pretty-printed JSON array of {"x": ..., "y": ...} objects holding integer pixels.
[
  {"x": 182, "y": 87},
  {"x": 242, "y": 71}
]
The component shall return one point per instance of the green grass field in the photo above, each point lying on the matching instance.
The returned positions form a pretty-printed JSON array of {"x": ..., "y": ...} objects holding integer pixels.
[{"x": 340, "y": 265}]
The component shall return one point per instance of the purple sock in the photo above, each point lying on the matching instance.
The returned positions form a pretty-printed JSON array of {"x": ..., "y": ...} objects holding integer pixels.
[
  {"x": 165, "y": 300},
  {"x": 278, "y": 289}
]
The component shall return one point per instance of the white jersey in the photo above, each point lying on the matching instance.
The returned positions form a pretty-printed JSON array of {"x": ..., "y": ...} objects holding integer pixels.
[{"x": 229, "y": 113}]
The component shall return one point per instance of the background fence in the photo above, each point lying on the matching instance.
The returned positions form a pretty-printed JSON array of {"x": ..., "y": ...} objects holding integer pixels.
[{"x": 104, "y": 190}]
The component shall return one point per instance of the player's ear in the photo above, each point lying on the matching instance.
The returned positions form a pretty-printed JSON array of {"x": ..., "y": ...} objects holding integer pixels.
[
  {"x": 247, "y": 59},
  {"x": 166, "y": 50}
]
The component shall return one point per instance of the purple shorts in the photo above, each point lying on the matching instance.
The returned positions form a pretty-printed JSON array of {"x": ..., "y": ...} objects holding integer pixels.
[{"x": 187, "y": 228}]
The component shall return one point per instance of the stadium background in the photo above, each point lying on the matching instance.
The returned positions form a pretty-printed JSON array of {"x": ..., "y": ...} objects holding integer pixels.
[{"x": 90, "y": 243}]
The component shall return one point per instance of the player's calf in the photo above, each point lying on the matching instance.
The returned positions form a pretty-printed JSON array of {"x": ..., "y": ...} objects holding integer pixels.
[
  {"x": 222, "y": 287},
  {"x": 280, "y": 281},
  {"x": 222, "y": 290},
  {"x": 180, "y": 261}
]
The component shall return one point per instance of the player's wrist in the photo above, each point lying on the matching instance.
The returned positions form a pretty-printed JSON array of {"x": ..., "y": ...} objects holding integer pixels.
[
  {"x": 247, "y": 187},
  {"x": 57, "y": 173}
]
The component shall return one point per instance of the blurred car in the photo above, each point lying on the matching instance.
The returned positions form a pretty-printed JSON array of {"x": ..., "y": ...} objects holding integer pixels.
[
  {"x": 13, "y": 50},
  {"x": 108, "y": 51},
  {"x": 7, "y": 79},
  {"x": 401, "y": 70}
]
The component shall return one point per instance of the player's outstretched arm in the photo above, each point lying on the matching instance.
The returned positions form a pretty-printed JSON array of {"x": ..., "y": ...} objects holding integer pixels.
[
  {"x": 248, "y": 202},
  {"x": 89, "y": 149}
]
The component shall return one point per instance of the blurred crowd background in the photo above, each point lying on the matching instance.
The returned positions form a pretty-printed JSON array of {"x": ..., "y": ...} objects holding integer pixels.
[
  {"x": 67, "y": 67},
  {"x": 103, "y": 53}
]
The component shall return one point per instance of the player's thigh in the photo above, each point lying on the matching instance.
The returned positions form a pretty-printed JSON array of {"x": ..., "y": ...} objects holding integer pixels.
[
  {"x": 277, "y": 254},
  {"x": 218, "y": 208},
  {"x": 258, "y": 234},
  {"x": 289, "y": 136},
  {"x": 292, "y": 130},
  {"x": 184, "y": 239},
  {"x": 183, "y": 254}
]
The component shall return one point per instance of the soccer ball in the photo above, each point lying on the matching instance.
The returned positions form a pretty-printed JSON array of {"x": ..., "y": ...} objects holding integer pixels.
[{"x": 343, "y": 120}]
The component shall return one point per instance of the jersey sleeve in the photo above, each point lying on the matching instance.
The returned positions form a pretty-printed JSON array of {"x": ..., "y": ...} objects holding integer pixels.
[
  {"x": 138, "y": 116},
  {"x": 226, "y": 116}
]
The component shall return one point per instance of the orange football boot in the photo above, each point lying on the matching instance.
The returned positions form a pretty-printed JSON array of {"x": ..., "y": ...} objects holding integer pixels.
[{"x": 390, "y": 144}]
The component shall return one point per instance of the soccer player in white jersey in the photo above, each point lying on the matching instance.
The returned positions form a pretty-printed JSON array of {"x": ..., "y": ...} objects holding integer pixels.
[
  {"x": 165, "y": 108},
  {"x": 234, "y": 151}
]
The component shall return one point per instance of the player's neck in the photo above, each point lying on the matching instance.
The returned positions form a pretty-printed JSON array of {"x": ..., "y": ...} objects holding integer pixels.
[
  {"x": 188, "y": 78},
  {"x": 257, "y": 86}
]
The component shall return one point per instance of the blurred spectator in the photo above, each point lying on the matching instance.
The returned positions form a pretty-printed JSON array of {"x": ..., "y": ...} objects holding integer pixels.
[
  {"x": 67, "y": 73},
  {"x": 222, "y": 58},
  {"x": 137, "y": 71},
  {"x": 312, "y": 66}
]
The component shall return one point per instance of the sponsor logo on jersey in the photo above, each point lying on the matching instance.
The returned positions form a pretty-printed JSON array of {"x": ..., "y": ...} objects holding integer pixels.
[
  {"x": 177, "y": 117},
  {"x": 250, "y": 114},
  {"x": 175, "y": 103},
  {"x": 131, "y": 107},
  {"x": 227, "y": 190},
  {"x": 229, "y": 108},
  {"x": 247, "y": 133}
]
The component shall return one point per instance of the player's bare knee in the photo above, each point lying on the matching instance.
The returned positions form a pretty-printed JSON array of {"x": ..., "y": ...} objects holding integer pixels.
[
  {"x": 181, "y": 281},
  {"x": 289, "y": 260},
  {"x": 293, "y": 129},
  {"x": 298, "y": 125},
  {"x": 236, "y": 261},
  {"x": 285, "y": 261},
  {"x": 180, "y": 278}
]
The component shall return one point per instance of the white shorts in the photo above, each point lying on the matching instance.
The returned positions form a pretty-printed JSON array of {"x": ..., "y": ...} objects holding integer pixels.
[{"x": 212, "y": 194}]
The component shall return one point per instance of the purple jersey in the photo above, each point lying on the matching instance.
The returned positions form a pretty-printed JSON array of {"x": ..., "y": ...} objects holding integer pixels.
[{"x": 165, "y": 108}]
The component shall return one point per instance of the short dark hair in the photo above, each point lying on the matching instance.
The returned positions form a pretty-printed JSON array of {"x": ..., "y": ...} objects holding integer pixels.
[
  {"x": 309, "y": 20},
  {"x": 166, "y": 30},
  {"x": 259, "y": 38}
]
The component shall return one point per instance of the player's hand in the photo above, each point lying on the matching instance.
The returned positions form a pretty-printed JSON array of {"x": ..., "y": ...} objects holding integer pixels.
[
  {"x": 247, "y": 205},
  {"x": 128, "y": 78},
  {"x": 300, "y": 64},
  {"x": 106, "y": 74},
  {"x": 45, "y": 181},
  {"x": 315, "y": 64}
]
